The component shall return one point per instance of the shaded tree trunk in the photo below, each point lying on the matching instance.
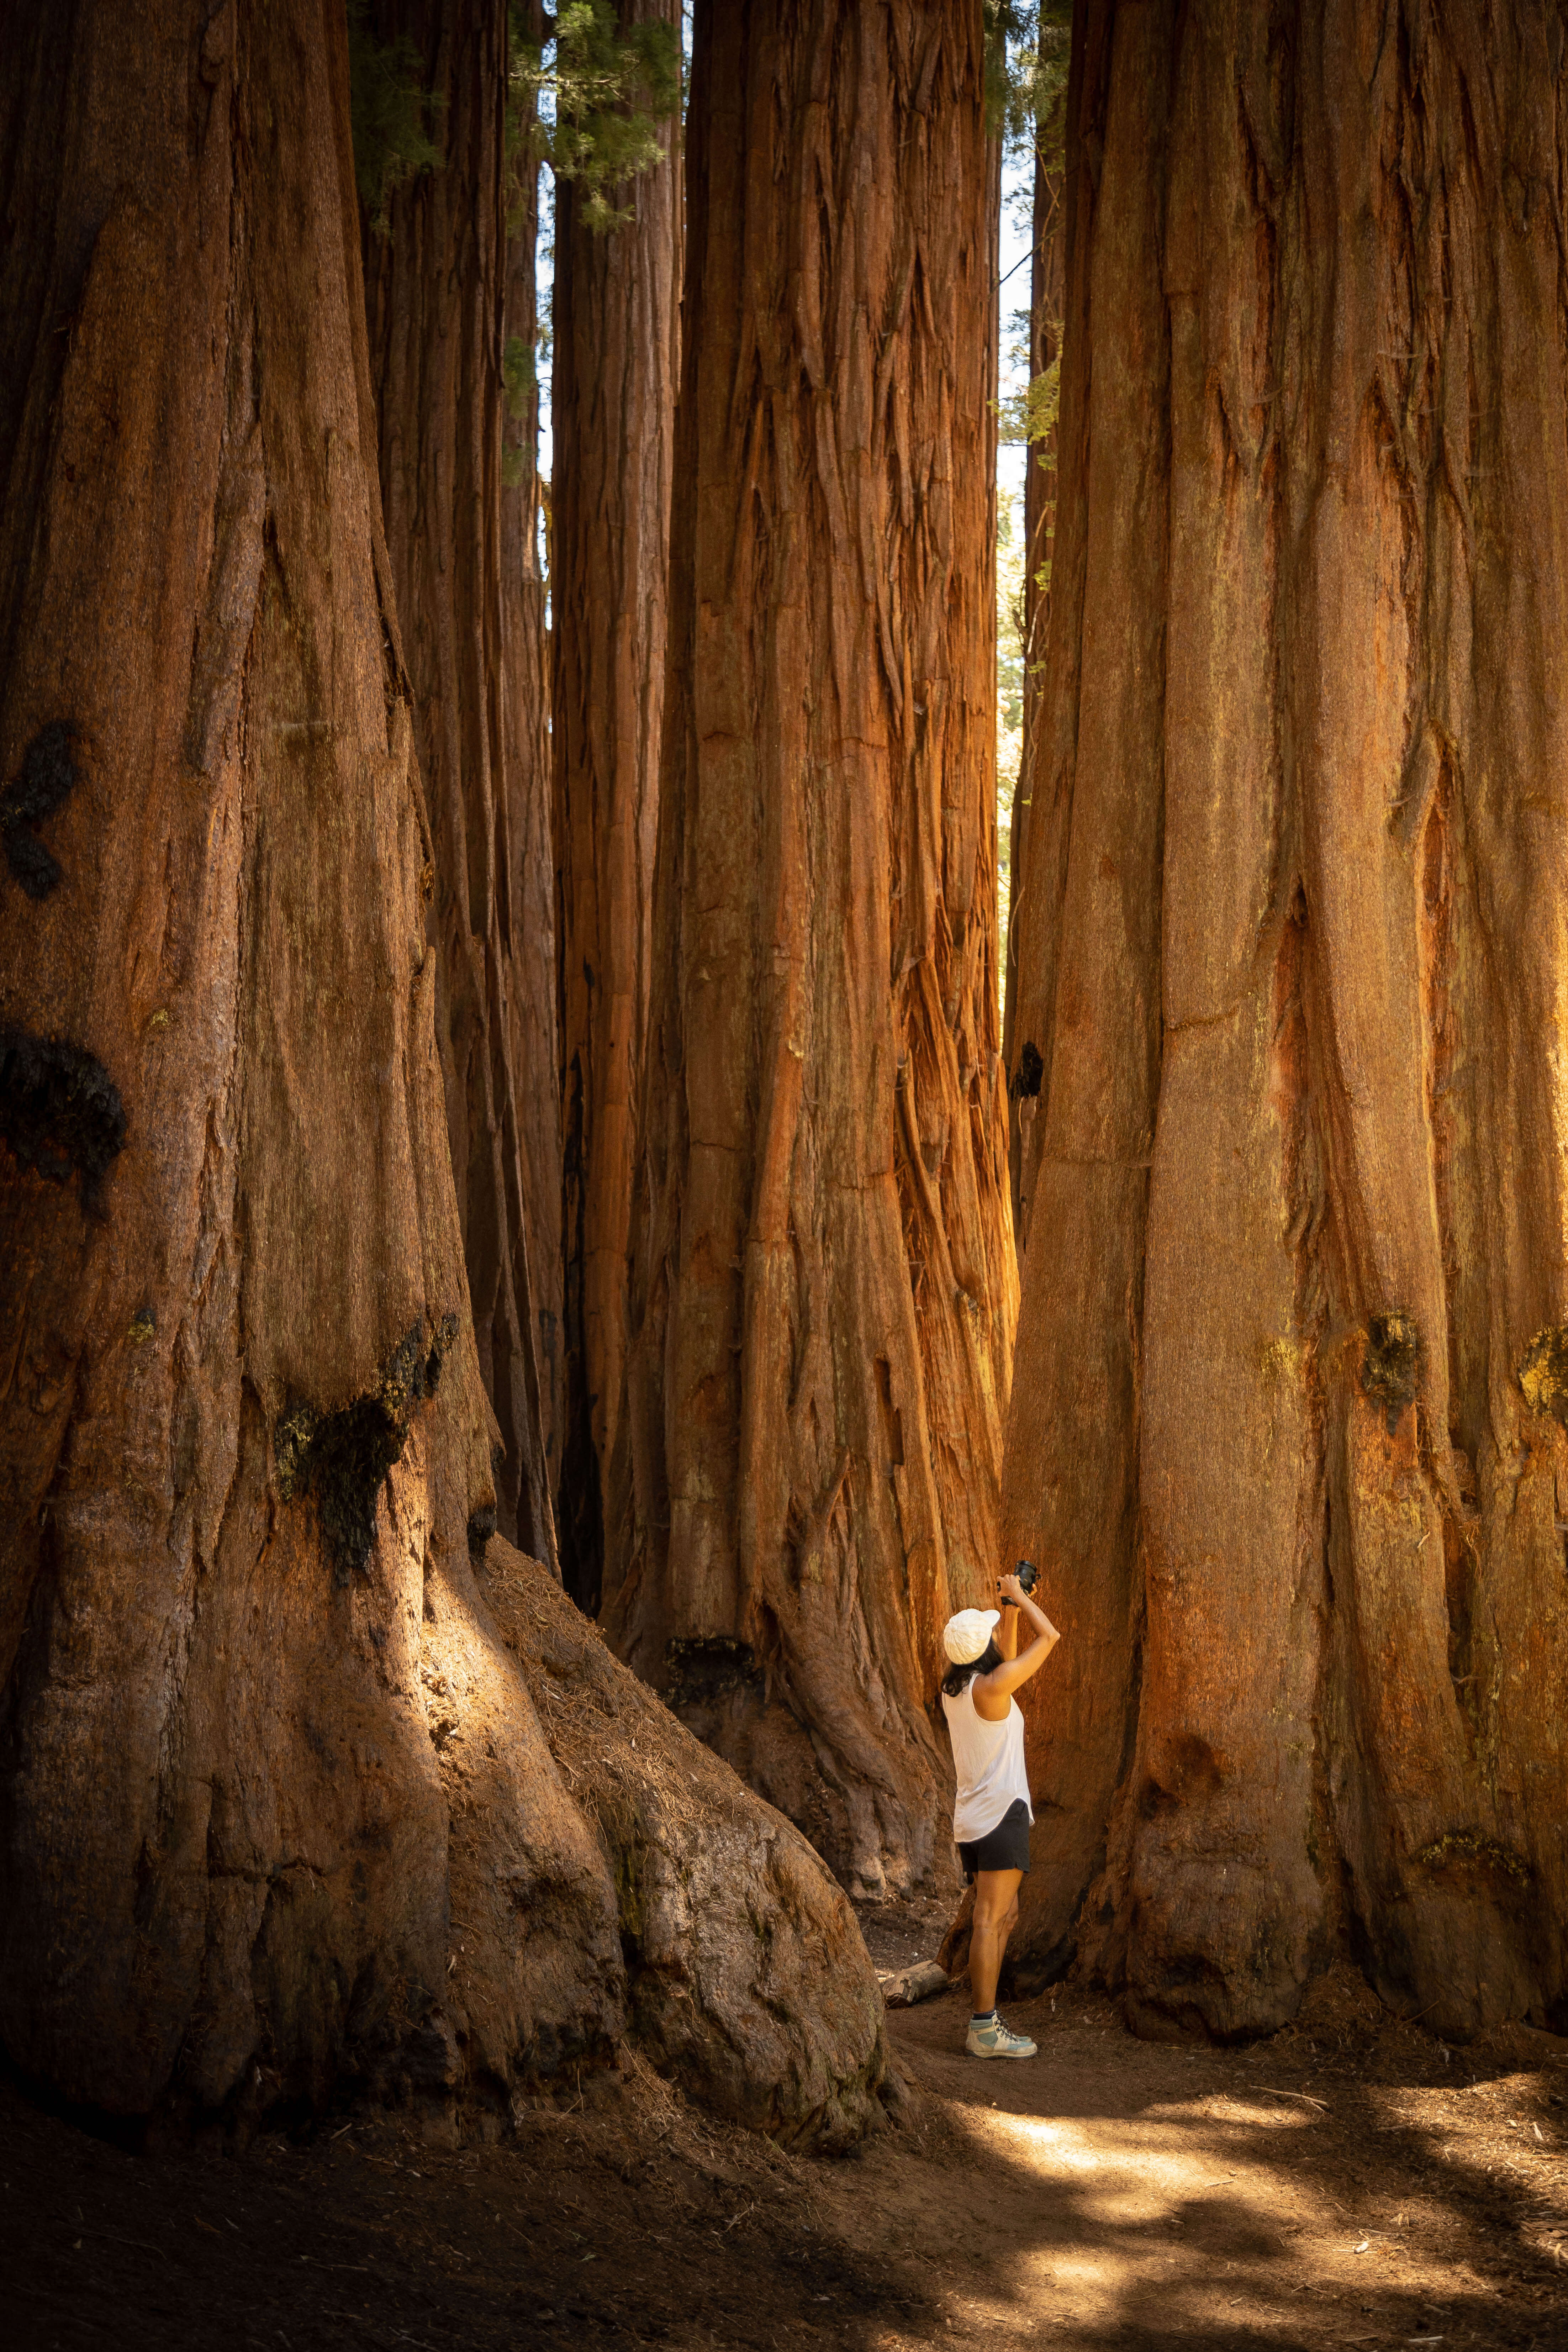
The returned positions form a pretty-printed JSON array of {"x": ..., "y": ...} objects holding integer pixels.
[
  {"x": 1288, "y": 1397},
  {"x": 436, "y": 283},
  {"x": 824, "y": 1283},
  {"x": 275, "y": 1805},
  {"x": 613, "y": 418},
  {"x": 1046, "y": 299},
  {"x": 525, "y": 723}
]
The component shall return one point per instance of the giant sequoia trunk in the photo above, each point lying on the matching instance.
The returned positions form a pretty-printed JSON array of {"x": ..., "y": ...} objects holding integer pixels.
[
  {"x": 824, "y": 1285},
  {"x": 526, "y": 762},
  {"x": 275, "y": 1804},
  {"x": 613, "y": 421},
  {"x": 1046, "y": 260},
  {"x": 436, "y": 285},
  {"x": 1288, "y": 1403}
]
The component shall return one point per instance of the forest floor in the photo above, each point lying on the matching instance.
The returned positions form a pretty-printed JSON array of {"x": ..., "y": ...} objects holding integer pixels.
[{"x": 1350, "y": 2183}]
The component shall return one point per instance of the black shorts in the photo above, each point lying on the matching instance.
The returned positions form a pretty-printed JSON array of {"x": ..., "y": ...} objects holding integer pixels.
[{"x": 1007, "y": 1847}]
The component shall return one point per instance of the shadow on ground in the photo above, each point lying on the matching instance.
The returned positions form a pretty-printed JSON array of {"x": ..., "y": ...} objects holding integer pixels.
[{"x": 1350, "y": 2183}]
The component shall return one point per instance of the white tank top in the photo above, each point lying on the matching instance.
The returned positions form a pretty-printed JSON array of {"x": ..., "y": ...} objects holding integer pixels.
[{"x": 989, "y": 1758}]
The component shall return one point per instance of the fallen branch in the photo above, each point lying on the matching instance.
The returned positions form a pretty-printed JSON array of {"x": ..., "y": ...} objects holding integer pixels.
[{"x": 919, "y": 1982}]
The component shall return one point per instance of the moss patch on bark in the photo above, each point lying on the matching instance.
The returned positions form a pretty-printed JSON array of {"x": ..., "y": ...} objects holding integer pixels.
[{"x": 1543, "y": 1375}]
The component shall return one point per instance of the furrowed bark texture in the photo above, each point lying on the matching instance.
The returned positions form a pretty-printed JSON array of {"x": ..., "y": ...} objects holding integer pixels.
[
  {"x": 824, "y": 1282},
  {"x": 276, "y": 1809},
  {"x": 1289, "y": 1390},
  {"x": 525, "y": 729},
  {"x": 615, "y": 355},
  {"x": 436, "y": 285},
  {"x": 1046, "y": 297},
  {"x": 747, "y": 1980}
]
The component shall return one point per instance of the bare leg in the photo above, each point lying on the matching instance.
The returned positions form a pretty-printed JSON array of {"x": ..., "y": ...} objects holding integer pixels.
[{"x": 995, "y": 1909}]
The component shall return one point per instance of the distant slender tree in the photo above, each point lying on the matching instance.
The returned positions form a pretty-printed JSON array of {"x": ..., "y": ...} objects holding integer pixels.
[
  {"x": 613, "y": 425},
  {"x": 1289, "y": 1406},
  {"x": 525, "y": 721},
  {"x": 437, "y": 183},
  {"x": 1041, "y": 101},
  {"x": 824, "y": 1282}
]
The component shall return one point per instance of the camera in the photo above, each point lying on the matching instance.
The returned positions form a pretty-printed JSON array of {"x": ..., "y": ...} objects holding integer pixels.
[{"x": 1028, "y": 1574}]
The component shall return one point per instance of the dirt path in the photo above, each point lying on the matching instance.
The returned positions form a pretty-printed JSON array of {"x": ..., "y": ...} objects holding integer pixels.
[
  {"x": 1348, "y": 2183},
  {"x": 1341, "y": 2185}
]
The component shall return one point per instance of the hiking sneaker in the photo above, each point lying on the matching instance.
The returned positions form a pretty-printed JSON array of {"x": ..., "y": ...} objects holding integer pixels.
[{"x": 992, "y": 2040}]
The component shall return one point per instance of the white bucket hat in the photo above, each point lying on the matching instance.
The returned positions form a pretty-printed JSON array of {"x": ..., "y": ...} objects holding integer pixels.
[{"x": 964, "y": 1637}]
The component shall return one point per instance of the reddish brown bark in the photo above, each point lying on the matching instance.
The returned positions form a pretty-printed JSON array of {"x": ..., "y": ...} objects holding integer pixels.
[
  {"x": 612, "y": 419},
  {"x": 1288, "y": 1404},
  {"x": 278, "y": 1810},
  {"x": 437, "y": 280},
  {"x": 1045, "y": 299},
  {"x": 823, "y": 1278},
  {"x": 525, "y": 733}
]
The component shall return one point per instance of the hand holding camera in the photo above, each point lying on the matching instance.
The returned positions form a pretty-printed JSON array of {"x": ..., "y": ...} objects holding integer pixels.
[{"x": 1016, "y": 1587}]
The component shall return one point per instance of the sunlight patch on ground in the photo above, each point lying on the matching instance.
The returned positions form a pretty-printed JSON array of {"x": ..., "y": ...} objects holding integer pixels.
[{"x": 1147, "y": 2184}]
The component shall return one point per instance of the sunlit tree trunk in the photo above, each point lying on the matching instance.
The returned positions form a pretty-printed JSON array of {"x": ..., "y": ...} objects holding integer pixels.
[
  {"x": 438, "y": 273},
  {"x": 613, "y": 421},
  {"x": 823, "y": 1284},
  {"x": 1288, "y": 1401}
]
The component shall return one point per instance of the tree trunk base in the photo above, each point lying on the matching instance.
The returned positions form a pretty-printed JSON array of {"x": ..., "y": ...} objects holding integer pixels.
[{"x": 746, "y": 1980}]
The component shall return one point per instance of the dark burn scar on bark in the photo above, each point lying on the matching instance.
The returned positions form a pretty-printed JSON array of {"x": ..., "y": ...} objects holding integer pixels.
[
  {"x": 1543, "y": 1375},
  {"x": 1026, "y": 1080},
  {"x": 60, "y": 1111},
  {"x": 1389, "y": 1365},
  {"x": 701, "y": 1669},
  {"x": 481, "y": 1526},
  {"x": 342, "y": 1458},
  {"x": 48, "y": 773}
]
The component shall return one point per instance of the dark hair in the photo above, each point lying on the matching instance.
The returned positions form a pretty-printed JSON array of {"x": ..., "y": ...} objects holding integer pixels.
[{"x": 957, "y": 1679}]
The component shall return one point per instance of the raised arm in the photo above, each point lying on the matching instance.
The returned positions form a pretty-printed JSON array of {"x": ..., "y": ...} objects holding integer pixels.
[{"x": 993, "y": 1693}]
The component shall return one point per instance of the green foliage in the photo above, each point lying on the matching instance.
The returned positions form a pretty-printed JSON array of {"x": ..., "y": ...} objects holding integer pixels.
[
  {"x": 1027, "y": 47},
  {"x": 1001, "y": 33},
  {"x": 1031, "y": 415},
  {"x": 594, "y": 102},
  {"x": 390, "y": 113}
]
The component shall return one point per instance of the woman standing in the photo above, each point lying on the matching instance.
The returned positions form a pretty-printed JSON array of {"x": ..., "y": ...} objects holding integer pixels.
[{"x": 991, "y": 1814}]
